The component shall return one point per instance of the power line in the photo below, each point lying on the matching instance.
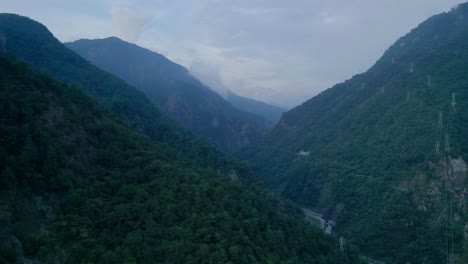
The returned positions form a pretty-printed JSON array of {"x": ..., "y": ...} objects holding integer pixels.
[{"x": 449, "y": 241}]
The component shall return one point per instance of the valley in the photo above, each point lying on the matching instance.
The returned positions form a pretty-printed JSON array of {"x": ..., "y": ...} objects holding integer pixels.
[
  {"x": 384, "y": 153},
  {"x": 314, "y": 218},
  {"x": 92, "y": 172},
  {"x": 175, "y": 91},
  {"x": 113, "y": 153}
]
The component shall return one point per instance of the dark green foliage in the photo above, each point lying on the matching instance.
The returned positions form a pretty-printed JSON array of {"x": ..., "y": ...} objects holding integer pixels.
[
  {"x": 105, "y": 194},
  {"x": 270, "y": 112},
  {"x": 371, "y": 163},
  {"x": 175, "y": 91},
  {"x": 30, "y": 41}
]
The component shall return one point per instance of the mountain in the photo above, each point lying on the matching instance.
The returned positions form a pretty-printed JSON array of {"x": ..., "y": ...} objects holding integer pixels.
[
  {"x": 270, "y": 112},
  {"x": 373, "y": 153},
  {"x": 171, "y": 87},
  {"x": 79, "y": 186},
  {"x": 33, "y": 43}
]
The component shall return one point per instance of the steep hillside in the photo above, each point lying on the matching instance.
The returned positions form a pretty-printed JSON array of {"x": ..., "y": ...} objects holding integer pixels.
[
  {"x": 79, "y": 187},
  {"x": 270, "y": 112},
  {"x": 384, "y": 153},
  {"x": 31, "y": 42},
  {"x": 174, "y": 90}
]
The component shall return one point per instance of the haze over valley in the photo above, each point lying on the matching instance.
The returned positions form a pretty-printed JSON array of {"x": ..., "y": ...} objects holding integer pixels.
[{"x": 240, "y": 132}]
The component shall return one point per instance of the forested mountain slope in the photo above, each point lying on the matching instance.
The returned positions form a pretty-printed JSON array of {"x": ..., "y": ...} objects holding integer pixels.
[
  {"x": 171, "y": 87},
  {"x": 270, "y": 112},
  {"x": 80, "y": 187},
  {"x": 31, "y": 42},
  {"x": 384, "y": 154}
]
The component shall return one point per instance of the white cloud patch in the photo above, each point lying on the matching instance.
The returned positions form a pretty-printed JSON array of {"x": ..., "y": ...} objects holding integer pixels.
[
  {"x": 209, "y": 74},
  {"x": 329, "y": 19},
  {"x": 277, "y": 51},
  {"x": 128, "y": 23}
]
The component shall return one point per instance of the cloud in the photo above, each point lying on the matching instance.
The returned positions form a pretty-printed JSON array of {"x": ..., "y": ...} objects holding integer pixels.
[
  {"x": 329, "y": 19},
  {"x": 272, "y": 50},
  {"x": 209, "y": 74},
  {"x": 128, "y": 23},
  {"x": 287, "y": 51}
]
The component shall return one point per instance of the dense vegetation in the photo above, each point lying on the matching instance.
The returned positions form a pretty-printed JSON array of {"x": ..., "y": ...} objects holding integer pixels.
[
  {"x": 363, "y": 152},
  {"x": 172, "y": 88},
  {"x": 270, "y": 112},
  {"x": 31, "y": 42},
  {"x": 79, "y": 187}
]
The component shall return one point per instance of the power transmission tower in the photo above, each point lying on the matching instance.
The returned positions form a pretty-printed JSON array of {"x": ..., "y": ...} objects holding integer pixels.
[
  {"x": 411, "y": 68},
  {"x": 342, "y": 244},
  {"x": 453, "y": 101},
  {"x": 437, "y": 152},
  {"x": 452, "y": 257},
  {"x": 447, "y": 143}
]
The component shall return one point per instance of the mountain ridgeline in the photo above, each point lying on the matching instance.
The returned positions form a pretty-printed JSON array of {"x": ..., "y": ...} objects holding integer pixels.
[
  {"x": 92, "y": 173},
  {"x": 384, "y": 153},
  {"x": 80, "y": 187},
  {"x": 171, "y": 87},
  {"x": 270, "y": 112},
  {"x": 33, "y": 43}
]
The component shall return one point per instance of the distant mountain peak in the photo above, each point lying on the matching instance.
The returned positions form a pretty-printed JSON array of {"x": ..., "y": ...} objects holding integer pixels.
[
  {"x": 172, "y": 88},
  {"x": 270, "y": 112}
]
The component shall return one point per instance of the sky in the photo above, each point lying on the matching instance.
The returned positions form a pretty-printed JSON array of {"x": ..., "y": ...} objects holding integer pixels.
[{"x": 277, "y": 51}]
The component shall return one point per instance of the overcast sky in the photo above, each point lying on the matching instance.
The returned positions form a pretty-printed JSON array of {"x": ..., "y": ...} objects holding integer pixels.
[{"x": 278, "y": 51}]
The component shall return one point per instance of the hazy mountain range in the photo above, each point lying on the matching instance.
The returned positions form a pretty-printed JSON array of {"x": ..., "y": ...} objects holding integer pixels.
[
  {"x": 171, "y": 87},
  {"x": 111, "y": 153},
  {"x": 92, "y": 172}
]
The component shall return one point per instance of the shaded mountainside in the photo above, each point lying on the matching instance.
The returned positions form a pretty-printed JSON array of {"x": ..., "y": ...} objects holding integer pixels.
[
  {"x": 175, "y": 91},
  {"x": 31, "y": 42},
  {"x": 270, "y": 112},
  {"x": 373, "y": 152},
  {"x": 79, "y": 187}
]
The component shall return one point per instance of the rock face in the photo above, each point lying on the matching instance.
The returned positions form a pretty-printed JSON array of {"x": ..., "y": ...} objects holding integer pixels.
[
  {"x": 18, "y": 248},
  {"x": 170, "y": 87},
  {"x": 233, "y": 176},
  {"x": 31, "y": 214},
  {"x": 380, "y": 147}
]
